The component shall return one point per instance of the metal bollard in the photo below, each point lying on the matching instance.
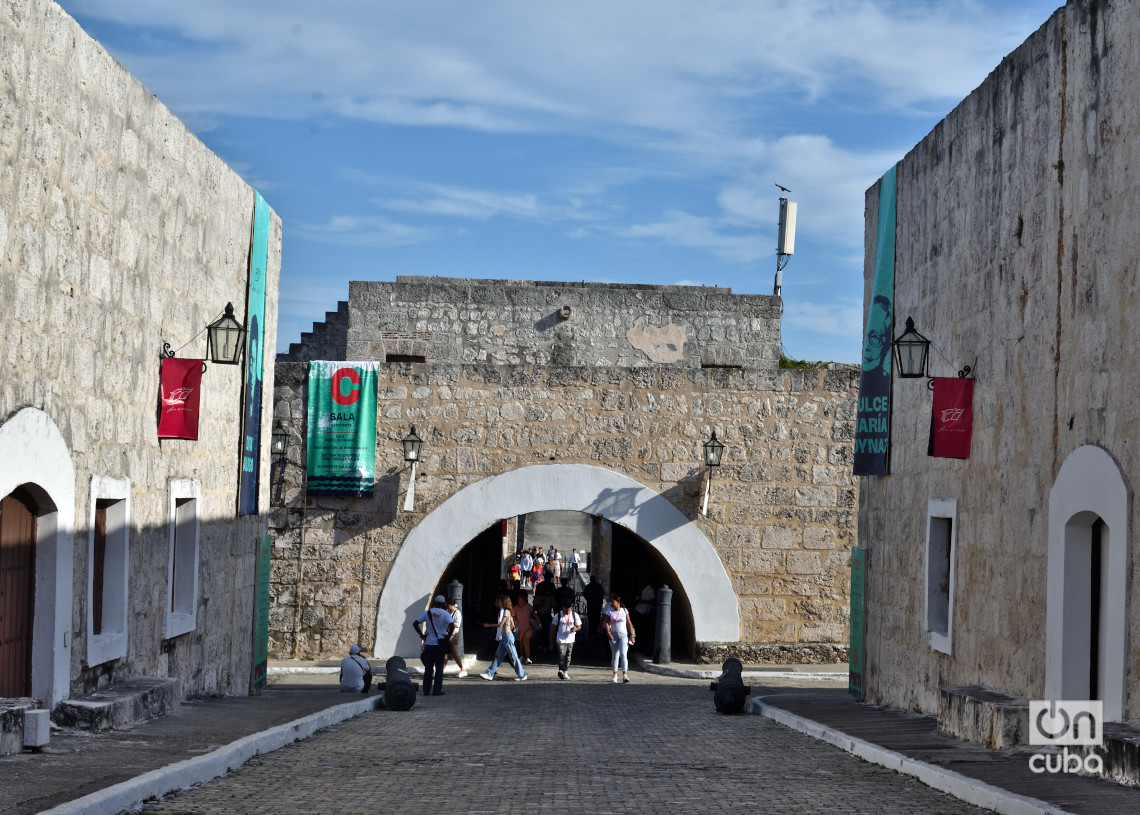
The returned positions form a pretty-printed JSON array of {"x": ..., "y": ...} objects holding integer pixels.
[
  {"x": 664, "y": 637},
  {"x": 399, "y": 689},
  {"x": 730, "y": 689}
]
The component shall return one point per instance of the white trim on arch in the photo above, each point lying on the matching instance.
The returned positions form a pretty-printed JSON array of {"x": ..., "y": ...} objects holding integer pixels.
[
  {"x": 429, "y": 547},
  {"x": 1089, "y": 485},
  {"x": 33, "y": 452}
]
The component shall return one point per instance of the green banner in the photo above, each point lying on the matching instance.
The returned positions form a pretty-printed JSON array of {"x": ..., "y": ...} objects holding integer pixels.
[
  {"x": 254, "y": 358},
  {"x": 873, "y": 416},
  {"x": 857, "y": 664},
  {"x": 342, "y": 428},
  {"x": 261, "y": 622}
]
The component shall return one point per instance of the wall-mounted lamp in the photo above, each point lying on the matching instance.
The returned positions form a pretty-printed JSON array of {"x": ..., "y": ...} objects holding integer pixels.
[
  {"x": 224, "y": 338},
  {"x": 278, "y": 449},
  {"x": 412, "y": 444},
  {"x": 714, "y": 450},
  {"x": 912, "y": 351}
]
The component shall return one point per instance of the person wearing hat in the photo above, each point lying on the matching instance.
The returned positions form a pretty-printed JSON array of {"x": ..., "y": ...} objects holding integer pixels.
[
  {"x": 355, "y": 672},
  {"x": 435, "y": 627}
]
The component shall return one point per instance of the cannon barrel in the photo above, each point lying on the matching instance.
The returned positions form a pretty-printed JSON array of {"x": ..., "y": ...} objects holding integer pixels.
[
  {"x": 399, "y": 689},
  {"x": 730, "y": 690}
]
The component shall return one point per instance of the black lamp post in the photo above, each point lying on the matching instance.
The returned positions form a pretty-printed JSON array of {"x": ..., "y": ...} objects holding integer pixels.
[
  {"x": 225, "y": 338},
  {"x": 412, "y": 444},
  {"x": 713, "y": 452},
  {"x": 911, "y": 351}
]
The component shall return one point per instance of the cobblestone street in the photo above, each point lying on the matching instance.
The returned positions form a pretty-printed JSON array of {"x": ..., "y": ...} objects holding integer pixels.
[{"x": 550, "y": 746}]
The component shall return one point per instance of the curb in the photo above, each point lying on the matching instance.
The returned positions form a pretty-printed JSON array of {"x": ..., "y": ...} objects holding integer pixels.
[
  {"x": 200, "y": 769},
  {"x": 689, "y": 673},
  {"x": 970, "y": 790}
]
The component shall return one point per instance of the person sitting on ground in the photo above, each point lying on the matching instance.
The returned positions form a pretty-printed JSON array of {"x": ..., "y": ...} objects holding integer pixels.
[{"x": 355, "y": 672}]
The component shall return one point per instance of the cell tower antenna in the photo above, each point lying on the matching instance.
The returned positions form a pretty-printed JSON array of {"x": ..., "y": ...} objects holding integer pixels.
[{"x": 785, "y": 240}]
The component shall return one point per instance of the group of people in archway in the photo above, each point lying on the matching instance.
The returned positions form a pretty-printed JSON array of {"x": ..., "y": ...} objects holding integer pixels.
[
  {"x": 532, "y": 567},
  {"x": 518, "y": 621}
]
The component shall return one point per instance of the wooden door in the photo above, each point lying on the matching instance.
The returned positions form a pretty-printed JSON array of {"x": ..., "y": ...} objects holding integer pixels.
[{"x": 17, "y": 596}]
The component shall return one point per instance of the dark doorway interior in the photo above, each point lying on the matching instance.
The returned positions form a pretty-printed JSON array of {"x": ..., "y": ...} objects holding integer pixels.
[
  {"x": 17, "y": 593},
  {"x": 636, "y": 565}
]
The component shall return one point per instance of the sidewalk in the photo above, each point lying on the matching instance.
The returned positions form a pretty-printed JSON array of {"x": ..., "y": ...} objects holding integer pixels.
[{"x": 105, "y": 772}]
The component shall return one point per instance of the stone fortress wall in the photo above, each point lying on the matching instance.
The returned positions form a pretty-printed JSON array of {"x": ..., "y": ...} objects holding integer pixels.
[
  {"x": 120, "y": 230},
  {"x": 1016, "y": 245},
  {"x": 632, "y": 381}
]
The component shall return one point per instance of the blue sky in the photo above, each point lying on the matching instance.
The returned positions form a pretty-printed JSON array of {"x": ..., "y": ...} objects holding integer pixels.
[{"x": 634, "y": 141}]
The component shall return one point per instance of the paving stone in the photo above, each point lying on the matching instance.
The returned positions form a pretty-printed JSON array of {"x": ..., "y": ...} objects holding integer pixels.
[{"x": 551, "y": 746}]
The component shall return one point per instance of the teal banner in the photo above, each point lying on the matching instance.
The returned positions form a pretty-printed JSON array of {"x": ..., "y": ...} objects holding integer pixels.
[
  {"x": 873, "y": 417},
  {"x": 342, "y": 428},
  {"x": 857, "y": 665},
  {"x": 254, "y": 359},
  {"x": 261, "y": 622}
]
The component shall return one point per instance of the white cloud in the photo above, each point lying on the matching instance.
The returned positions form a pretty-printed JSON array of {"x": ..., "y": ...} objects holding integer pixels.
[
  {"x": 697, "y": 232},
  {"x": 367, "y": 231},
  {"x": 677, "y": 67},
  {"x": 843, "y": 318}
]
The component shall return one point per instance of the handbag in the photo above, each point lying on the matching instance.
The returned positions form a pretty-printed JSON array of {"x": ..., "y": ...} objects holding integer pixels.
[{"x": 367, "y": 676}]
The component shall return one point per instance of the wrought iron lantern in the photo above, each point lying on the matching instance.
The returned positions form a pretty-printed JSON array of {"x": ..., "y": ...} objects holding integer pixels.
[
  {"x": 412, "y": 444},
  {"x": 912, "y": 350},
  {"x": 713, "y": 451},
  {"x": 280, "y": 440},
  {"x": 225, "y": 338}
]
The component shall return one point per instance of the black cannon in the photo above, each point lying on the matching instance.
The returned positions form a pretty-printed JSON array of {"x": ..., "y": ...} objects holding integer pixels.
[
  {"x": 399, "y": 689},
  {"x": 730, "y": 690}
]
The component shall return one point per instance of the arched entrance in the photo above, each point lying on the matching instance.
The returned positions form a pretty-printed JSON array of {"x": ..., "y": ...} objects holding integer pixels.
[
  {"x": 35, "y": 464},
  {"x": 430, "y": 547},
  {"x": 1087, "y": 605}
]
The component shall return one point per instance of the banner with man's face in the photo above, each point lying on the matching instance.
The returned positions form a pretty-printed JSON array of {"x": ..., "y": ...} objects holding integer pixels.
[
  {"x": 341, "y": 434},
  {"x": 873, "y": 418}
]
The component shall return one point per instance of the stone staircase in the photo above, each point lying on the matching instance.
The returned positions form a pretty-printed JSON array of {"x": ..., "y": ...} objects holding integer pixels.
[
  {"x": 327, "y": 340},
  {"x": 133, "y": 700}
]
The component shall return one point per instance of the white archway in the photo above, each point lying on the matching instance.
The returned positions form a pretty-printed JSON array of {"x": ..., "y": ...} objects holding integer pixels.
[
  {"x": 429, "y": 547},
  {"x": 33, "y": 453},
  {"x": 1089, "y": 487}
]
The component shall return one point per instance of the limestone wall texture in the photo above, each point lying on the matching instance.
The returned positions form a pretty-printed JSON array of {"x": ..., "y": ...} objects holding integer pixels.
[
  {"x": 781, "y": 516},
  {"x": 501, "y": 322},
  {"x": 1017, "y": 247},
  {"x": 119, "y": 231}
]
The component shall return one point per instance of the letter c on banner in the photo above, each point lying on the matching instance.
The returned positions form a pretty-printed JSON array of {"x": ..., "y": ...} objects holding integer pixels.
[{"x": 338, "y": 394}]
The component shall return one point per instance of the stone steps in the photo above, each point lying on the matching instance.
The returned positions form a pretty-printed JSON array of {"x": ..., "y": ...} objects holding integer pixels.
[{"x": 133, "y": 700}]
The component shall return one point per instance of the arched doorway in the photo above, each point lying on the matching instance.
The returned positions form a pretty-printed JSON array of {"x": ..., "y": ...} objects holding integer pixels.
[
  {"x": 431, "y": 546},
  {"x": 626, "y": 565},
  {"x": 36, "y": 469},
  {"x": 17, "y": 592},
  {"x": 1087, "y": 590}
]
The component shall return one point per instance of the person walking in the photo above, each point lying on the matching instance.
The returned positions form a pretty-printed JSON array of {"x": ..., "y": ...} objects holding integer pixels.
[
  {"x": 505, "y": 635},
  {"x": 435, "y": 627},
  {"x": 525, "y": 564},
  {"x": 569, "y": 623},
  {"x": 526, "y": 623},
  {"x": 619, "y": 629},
  {"x": 575, "y": 561},
  {"x": 355, "y": 672},
  {"x": 453, "y": 641},
  {"x": 557, "y": 568}
]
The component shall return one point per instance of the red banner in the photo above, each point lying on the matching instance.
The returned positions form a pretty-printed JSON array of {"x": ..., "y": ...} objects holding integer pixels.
[
  {"x": 181, "y": 385},
  {"x": 952, "y": 419}
]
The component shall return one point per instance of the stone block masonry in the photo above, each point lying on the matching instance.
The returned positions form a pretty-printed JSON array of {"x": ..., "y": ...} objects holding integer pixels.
[
  {"x": 119, "y": 231},
  {"x": 781, "y": 513}
]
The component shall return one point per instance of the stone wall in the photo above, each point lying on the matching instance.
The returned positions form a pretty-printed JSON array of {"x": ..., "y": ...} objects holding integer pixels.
[
  {"x": 120, "y": 231},
  {"x": 781, "y": 514},
  {"x": 511, "y": 322},
  {"x": 1017, "y": 248}
]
